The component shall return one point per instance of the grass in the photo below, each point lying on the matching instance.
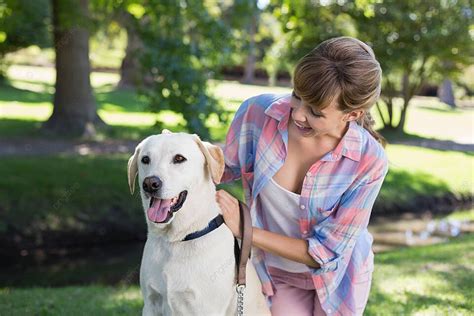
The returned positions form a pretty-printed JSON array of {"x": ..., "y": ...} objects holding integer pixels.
[
  {"x": 94, "y": 186},
  {"x": 30, "y": 97},
  {"x": 71, "y": 194},
  {"x": 428, "y": 280},
  {"x": 91, "y": 300},
  {"x": 430, "y": 170},
  {"x": 26, "y": 103},
  {"x": 431, "y": 280}
]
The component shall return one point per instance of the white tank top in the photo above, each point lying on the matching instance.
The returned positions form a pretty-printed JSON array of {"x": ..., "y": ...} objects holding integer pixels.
[{"x": 280, "y": 209}]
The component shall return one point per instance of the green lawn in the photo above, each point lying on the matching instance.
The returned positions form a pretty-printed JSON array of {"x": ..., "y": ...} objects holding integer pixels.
[
  {"x": 414, "y": 171},
  {"x": 429, "y": 280},
  {"x": 73, "y": 192},
  {"x": 30, "y": 98}
]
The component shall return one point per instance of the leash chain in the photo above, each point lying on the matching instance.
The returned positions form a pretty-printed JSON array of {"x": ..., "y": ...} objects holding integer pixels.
[{"x": 240, "y": 300}]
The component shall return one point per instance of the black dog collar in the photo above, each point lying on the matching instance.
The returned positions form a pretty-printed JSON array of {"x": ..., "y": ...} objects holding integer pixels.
[{"x": 213, "y": 224}]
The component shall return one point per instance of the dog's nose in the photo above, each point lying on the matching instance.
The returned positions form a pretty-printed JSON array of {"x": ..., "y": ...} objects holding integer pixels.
[{"x": 151, "y": 184}]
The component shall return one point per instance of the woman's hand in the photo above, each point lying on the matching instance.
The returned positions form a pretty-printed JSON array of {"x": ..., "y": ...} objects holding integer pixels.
[{"x": 230, "y": 211}]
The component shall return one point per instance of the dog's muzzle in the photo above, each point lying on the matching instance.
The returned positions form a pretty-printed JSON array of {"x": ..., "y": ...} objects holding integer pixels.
[{"x": 161, "y": 210}]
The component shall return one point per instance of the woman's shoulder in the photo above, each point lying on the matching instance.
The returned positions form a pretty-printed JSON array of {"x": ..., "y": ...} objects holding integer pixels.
[
  {"x": 260, "y": 103},
  {"x": 373, "y": 154}
]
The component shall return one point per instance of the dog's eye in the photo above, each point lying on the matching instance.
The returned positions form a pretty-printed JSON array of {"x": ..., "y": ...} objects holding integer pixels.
[
  {"x": 179, "y": 159},
  {"x": 146, "y": 160}
]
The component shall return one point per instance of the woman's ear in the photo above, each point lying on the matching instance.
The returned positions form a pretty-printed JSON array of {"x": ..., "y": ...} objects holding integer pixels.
[{"x": 353, "y": 115}]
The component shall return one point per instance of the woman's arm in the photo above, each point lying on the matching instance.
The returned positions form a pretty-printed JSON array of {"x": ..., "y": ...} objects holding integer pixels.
[{"x": 287, "y": 247}]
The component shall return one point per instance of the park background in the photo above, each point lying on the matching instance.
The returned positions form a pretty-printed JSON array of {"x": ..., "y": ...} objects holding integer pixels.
[{"x": 83, "y": 81}]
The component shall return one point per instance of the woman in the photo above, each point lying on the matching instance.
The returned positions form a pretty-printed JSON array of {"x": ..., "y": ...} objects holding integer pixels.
[{"x": 311, "y": 168}]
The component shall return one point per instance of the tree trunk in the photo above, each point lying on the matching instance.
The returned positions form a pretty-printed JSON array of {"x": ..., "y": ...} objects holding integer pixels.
[
  {"x": 249, "y": 71},
  {"x": 382, "y": 117},
  {"x": 406, "y": 99},
  {"x": 403, "y": 116},
  {"x": 446, "y": 94},
  {"x": 130, "y": 71},
  {"x": 75, "y": 110},
  {"x": 390, "y": 111}
]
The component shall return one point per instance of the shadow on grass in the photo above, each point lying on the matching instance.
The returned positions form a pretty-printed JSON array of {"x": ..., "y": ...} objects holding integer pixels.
[
  {"x": 446, "y": 110},
  {"x": 416, "y": 192},
  {"x": 9, "y": 93},
  {"x": 113, "y": 100},
  {"x": 448, "y": 253},
  {"x": 17, "y": 128},
  {"x": 121, "y": 101},
  {"x": 12, "y": 128},
  {"x": 394, "y": 137}
]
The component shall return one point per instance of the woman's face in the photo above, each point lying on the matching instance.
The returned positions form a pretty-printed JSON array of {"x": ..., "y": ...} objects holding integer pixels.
[{"x": 308, "y": 122}]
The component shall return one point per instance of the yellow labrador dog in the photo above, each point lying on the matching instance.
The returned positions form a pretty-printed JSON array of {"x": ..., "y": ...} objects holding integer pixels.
[{"x": 188, "y": 264}]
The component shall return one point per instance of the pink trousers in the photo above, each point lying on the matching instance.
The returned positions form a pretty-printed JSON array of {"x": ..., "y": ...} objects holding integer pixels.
[{"x": 295, "y": 294}]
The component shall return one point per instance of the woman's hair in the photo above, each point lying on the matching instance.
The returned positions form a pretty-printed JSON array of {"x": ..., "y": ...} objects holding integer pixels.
[{"x": 345, "y": 69}]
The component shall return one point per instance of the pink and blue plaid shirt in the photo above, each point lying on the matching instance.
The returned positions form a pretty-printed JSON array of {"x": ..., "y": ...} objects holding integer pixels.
[{"x": 336, "y": 200}]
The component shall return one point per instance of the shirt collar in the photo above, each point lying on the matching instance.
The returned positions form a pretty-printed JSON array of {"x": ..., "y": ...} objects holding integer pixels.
[{"x": 350, "y": 145}]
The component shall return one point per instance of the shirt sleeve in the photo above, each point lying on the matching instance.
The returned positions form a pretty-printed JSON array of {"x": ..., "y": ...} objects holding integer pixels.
[
  {"x": 339, "y": 232},
  {"x": 235, "y": 139}
]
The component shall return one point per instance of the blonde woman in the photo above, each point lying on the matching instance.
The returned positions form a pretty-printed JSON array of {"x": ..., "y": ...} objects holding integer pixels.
[{"x": 311, "y": 168}]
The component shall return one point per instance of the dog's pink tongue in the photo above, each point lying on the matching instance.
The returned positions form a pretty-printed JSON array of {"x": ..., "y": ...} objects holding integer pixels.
[{"x": 159, "y": 210}]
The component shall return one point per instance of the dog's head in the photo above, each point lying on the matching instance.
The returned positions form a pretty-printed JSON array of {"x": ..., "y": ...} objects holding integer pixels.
[{"x": 173, "y": 169}]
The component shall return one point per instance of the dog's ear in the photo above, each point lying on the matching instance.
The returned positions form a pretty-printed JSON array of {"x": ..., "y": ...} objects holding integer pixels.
[
  {"x": 214, "y": 159},
  {"x": 166, "y": 131},
  {"x": 132, "y": 170}
]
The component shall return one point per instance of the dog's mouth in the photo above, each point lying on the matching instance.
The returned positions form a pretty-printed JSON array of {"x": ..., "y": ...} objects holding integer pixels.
[{"x": 161, "y": 210}]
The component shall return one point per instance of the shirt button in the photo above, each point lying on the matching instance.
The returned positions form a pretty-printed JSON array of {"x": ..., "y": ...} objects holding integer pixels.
[
  {"x": 308, "y": 174},
  {"x": 329, "y": 310},
  {"x": 302, "y": 207},
  {"x": 305, "y": 232}
]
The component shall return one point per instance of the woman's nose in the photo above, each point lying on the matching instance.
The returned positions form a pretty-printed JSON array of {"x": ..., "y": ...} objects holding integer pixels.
[{"x": 298, "y": 112}]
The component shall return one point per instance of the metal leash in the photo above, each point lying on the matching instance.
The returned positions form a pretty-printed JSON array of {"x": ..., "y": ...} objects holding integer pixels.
[
  {"x": 244, "y": 255},
  {"x": 240, "y": 299}
]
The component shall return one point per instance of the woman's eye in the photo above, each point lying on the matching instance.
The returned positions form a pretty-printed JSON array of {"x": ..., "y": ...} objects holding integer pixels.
[
  {"x": 316, "y": 114},
  {"x": 146, "y": 160},
  {"x": 179, "y": 159},
  {"x": 293, "y": 94}
]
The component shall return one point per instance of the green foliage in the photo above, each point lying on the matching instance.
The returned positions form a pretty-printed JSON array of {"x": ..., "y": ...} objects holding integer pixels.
[
  {"x": 23, "y": 23},
  {"x": 416, "y": 40},
  {"x": 308, "y": 23},
  {"x": 182, "y": 40},
  {"x": 408, "y": 35}
]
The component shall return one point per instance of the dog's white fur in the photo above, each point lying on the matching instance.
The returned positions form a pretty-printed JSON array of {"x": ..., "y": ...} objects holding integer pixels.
[{"x": 195, "y": 277}]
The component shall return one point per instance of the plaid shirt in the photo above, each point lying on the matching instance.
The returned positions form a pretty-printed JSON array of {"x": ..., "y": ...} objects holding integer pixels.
[{"x": 337, "y": 196}]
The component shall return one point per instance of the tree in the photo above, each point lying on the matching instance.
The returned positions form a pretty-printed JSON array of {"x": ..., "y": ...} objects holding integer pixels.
[
  {"x": 23, "y": 23},
  {"x": 75, "y": 110},
  {"x": 246, "y": 16},
  {"x": 308, "y": 23},
  {"x": 130, "y": 70},
  {"x": 414, "y": 40},
  {"x": 182, "y": 41}
]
